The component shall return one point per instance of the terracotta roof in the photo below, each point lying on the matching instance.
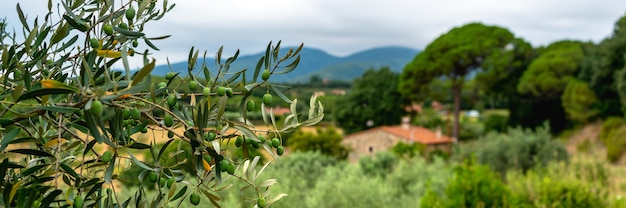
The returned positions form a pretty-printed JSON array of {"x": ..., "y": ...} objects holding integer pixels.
[{"x": 416, "y": 133}]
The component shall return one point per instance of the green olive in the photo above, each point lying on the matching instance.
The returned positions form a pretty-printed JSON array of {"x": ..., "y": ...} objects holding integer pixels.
[
  {"x": 261, "y": 202},
  {"x": 193, "y": 85},
  {"x": 280, "y": 150},
  {"x": 267, "y": 99},
  {"x": 168, "y": 120},
  {"x": 162, "y": 182},
  {"x": 171, "y": 100},
  {"x": 161, "y": 85},
  {"x": 266, "y": 74},
  {"x": 230, "y": 169},
  {"x": 108, "y": 29},
  {"x": 170, "y": 75},
  {"x": 95, "y": 43},
  {"x": 221, "y": 91},
  {"x": 123, "y": 25},
  {"x": 229, "y": 92},
  {"x": 170, "y": 181},
  {"x": 250, "y": 105},
  {"x": 239, "y": 141},
  {"x": 78, "y": 202},
  {"x": 130, "y": 13},
  {"x": 96, "y": 108},
  {"x": 126, "y": 113},
  {"x": 194, "y": 199},
  {"x": 224, "y": 164},
  {"x": 106, "y": 157},
  {"x": 153, "y": 177},
  {"x": 275, "y": 142},
  {"x": 135, "y": 113},
  {"x": 206, "y": 92}
]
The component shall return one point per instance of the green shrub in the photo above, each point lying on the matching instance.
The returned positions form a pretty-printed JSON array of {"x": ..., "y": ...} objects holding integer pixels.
[
  {"x": 413, "y": 180},
  {"x": 348, "y": 187},
  {"x": 559, "y": 185},
  {"x": 495, "y": 122},
  {"x": 517, "y": 149},
  {"x": 584, "y": 146},
  {"x": 315, "y": 180},
  {"x": 615, "y": 144},
  {"x": 380, "y": 164},
  {"x": 429, "y": 118},
  {"x": 404, "y": 150},
  {"x": 609, "y": 125},
  {"x": 470, "y": 130},
  {"x": 472, "y": 185},
  {"x": 612, "y": 135},
  {"x": 326, "y": 140}
]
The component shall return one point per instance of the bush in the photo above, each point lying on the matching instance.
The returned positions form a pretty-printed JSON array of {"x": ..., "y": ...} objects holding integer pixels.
[
  {"x": 559, "y": 185},
  {"x": 378, "y": 165},
  {"x": 609, "y": 125},
  {"x": 413, "y": 179},
  {"x": 615, "y": 144},
  {"x": 326, "y": 141},
  {"x": 429, "y": 118},
  {"x": 313, "y": 179},
  {"x": 406, "y": 151},
  {"x": 472, "y": 185},
  {"x": 496, "y": 122},
  {"x": 470, "y": 130},
  {"x": 518, "y": 149},
  {"x": 612, "y": 135}
]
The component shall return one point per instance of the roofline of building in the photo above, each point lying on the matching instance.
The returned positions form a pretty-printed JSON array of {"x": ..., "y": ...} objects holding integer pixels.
[{"x": 444, "y": 138}]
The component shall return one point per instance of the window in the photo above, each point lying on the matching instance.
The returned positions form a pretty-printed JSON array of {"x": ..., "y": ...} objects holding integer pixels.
[{"x": 371, "y": 149}]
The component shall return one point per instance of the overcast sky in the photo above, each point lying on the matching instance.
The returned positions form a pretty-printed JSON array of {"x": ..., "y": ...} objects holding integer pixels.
[{"x": 342, "y": 27}]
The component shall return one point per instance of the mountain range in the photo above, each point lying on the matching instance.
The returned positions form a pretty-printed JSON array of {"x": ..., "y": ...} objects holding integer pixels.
[{"x": 315, "y": 62}]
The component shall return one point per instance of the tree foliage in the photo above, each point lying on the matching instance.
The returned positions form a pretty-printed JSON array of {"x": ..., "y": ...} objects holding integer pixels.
[
  {"x": 544, "y": 82},
  {"x": 462, "y": 51},
  {"x": 70, "y": 123},
  {"x": 549, "y": 73},
  {"x": 579, "y": 101},
  {"x": 373, "y": 99},
  {"x": 518, "y": 149},
  {"x": 327, "y": 141},
  {"x": 604, "y": 70}
]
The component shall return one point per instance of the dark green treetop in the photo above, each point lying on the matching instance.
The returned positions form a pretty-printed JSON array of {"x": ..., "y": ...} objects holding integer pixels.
[{"x": 454, "y": 55}]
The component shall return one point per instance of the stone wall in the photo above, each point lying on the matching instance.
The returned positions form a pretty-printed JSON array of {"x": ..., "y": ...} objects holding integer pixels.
[{"x": 369, "y": 142}]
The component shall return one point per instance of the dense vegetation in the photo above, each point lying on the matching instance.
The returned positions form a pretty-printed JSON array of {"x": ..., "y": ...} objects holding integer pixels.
[
  {"x": 74, "y": 129},
  {"x": 77, "y": 133}
]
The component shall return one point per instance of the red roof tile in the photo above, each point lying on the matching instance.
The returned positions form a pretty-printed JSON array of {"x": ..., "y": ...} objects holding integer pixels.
[{"x": 415, "y": 133}]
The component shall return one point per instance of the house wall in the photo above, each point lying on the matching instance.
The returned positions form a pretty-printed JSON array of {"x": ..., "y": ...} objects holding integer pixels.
[{"x": 368, "y": 143}]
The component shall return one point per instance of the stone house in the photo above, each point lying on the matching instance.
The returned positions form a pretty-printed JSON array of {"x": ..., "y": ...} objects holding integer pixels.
[{"x": 382, "y": 138}]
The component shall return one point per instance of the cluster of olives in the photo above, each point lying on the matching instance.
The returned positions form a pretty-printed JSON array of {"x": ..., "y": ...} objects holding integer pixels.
[
  {"x": 275, "y": 143},
  {"x": 108, "y": 30}
]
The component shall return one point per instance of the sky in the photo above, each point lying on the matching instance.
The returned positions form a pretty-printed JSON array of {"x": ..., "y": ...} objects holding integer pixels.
[{"x": 343, "y": 27}]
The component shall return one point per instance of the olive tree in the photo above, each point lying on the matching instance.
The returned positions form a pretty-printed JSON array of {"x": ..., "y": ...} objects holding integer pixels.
[{"x": 70, "y": 123}]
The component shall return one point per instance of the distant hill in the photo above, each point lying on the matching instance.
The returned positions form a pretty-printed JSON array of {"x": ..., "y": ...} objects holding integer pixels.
[{"x": 317, "y": 62}]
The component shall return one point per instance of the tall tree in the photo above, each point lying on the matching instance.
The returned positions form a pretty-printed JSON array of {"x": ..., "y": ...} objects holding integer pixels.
[
  {"x": 603, "y": 67},
  {"x": 454, "y": 55},
  {"x": 373, "y": 99},
  {"x": 545, "y": 80},
  {"x": 500, "y": 82},
  {"x": 548, "y": 75}
]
